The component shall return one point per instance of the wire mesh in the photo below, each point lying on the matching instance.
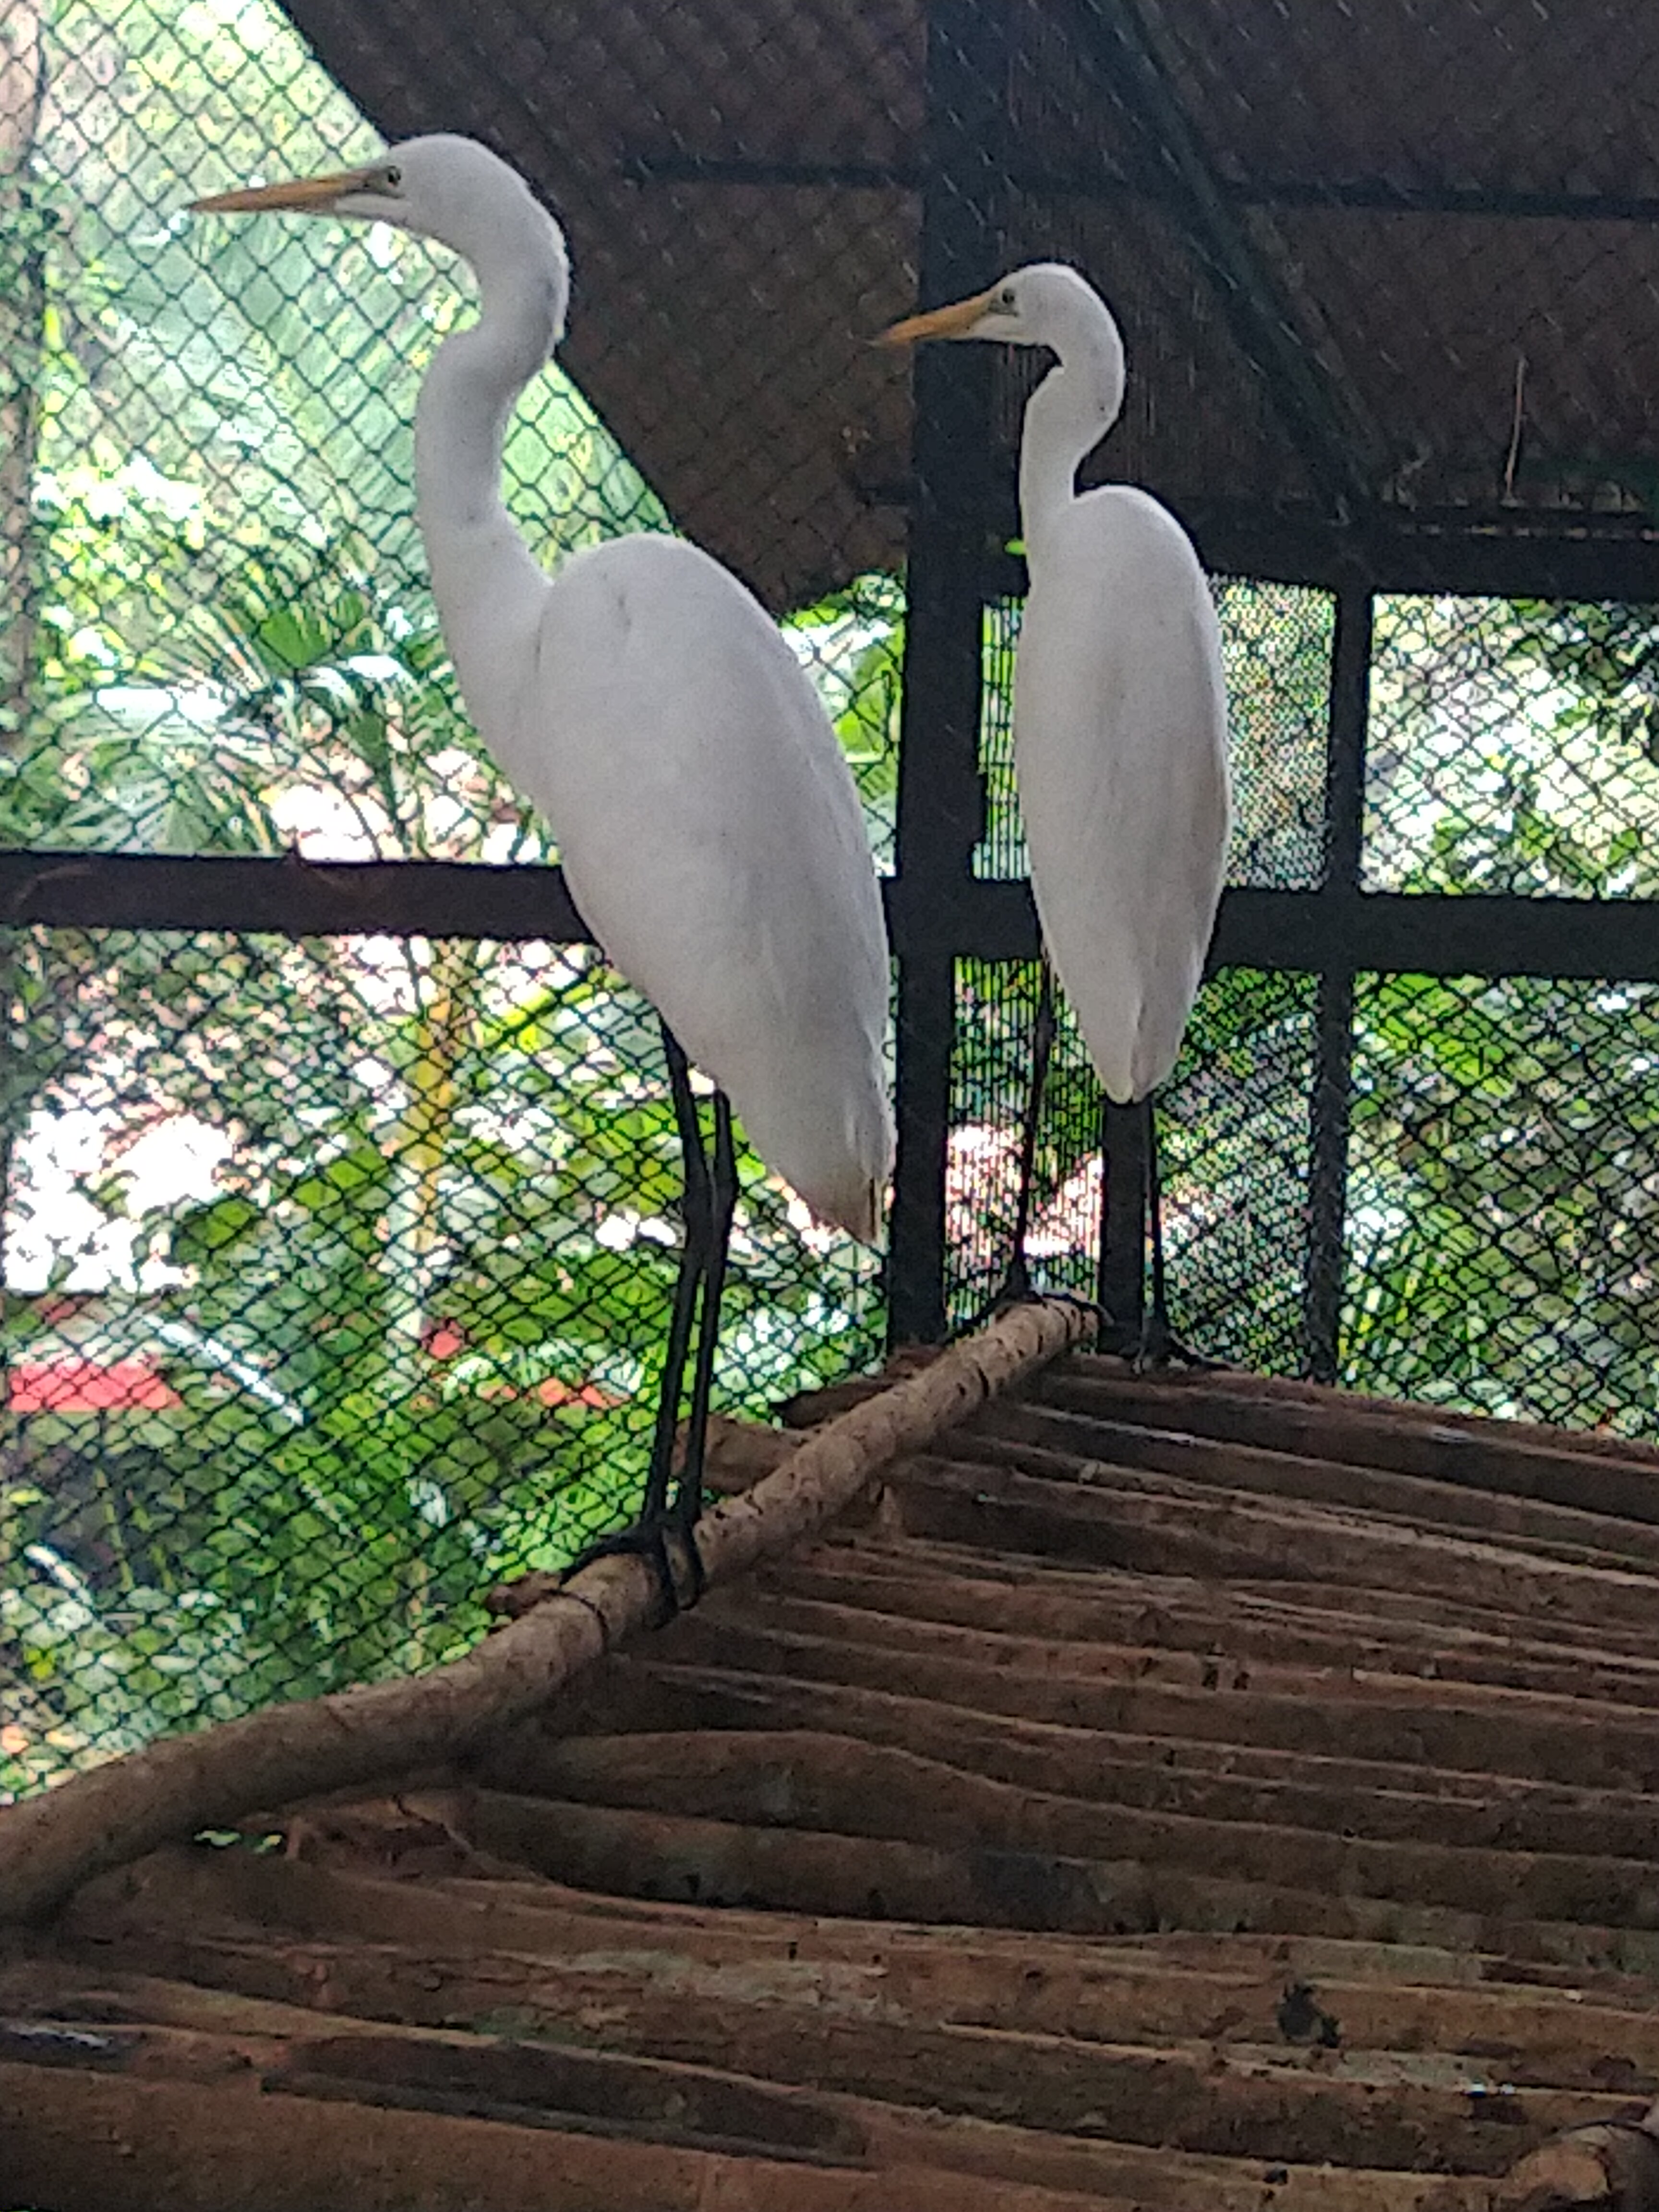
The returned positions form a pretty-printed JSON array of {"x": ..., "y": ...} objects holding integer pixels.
[
  {"x": 1276, "y": 649},
  {"x": 334, "y": 1270},
  {"x": 997, "y": 1005},
  {"x": 1514, "y": 748},
  {"x": 1233, "y": 1134},
  {"x": 1502, "y": 1192},
  {"x": 339, "y": 1272}
]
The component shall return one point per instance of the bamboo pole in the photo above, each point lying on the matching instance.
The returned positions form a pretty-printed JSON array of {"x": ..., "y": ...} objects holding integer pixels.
[
  {"x": 1612, "y": 2167},
  {"x": 173, "y": 1788}
]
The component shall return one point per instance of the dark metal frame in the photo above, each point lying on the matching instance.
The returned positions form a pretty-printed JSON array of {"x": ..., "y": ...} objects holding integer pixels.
[
  {"x": 1342, "y": 540},
  {"x": 1315, "y": 933},
  {"x": 941, "y": 797},
  {"x": 1336, "y": 932},
  {"x": 1382, "y": 195}
]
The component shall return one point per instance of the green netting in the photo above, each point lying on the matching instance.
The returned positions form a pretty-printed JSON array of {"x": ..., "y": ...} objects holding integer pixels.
[{"x": 333, "y": 1271}]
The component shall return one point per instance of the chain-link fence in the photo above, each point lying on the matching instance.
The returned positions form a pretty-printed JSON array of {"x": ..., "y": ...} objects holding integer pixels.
[
  {"x": 342, "y": 1271},
  {"x": 338, "y": 1223}
]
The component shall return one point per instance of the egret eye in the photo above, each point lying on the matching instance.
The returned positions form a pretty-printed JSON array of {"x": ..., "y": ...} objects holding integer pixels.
[{"x": 1007, "y": 298}]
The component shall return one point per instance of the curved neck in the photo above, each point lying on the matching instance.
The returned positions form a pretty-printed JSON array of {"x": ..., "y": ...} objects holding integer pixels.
[
  {"x": 484, "y": 577},
  {"x": 1066, "y": 418}
]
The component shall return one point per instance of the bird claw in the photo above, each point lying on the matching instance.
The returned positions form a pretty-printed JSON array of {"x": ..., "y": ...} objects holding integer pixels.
[
  {"x": 1016, "y": 1289},
  {"x": 1160, "y": 1347},
  {"x": 1154, "y": 1346},
  {"x": 648, "y": 1539}
]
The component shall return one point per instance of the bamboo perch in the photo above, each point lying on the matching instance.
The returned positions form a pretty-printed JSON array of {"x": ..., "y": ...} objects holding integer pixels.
[
  {"x": 173, "y": 1788},
  {"x": 1612, "y": 2167}
]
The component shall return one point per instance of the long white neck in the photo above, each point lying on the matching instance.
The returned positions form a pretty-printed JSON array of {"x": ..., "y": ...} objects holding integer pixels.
[
  {"x": 488, "y": 587},
  {"x": 1066, "y": 418}
]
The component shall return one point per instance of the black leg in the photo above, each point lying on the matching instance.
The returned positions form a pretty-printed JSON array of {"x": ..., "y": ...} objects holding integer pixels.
[
  {"x": 1158, "y": 1320},
  {"x": 693, "y": 1264},
  {"x": 723, "y": 1196},
  {"x": 1121, "y": 1282},
  {"x": 1159, "y": 1344},
  {"x": 1017, "y": 1283},
  {"x": 648, "y": 1537}
]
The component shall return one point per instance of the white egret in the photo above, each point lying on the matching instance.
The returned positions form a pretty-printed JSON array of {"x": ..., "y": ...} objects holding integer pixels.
[
  {"x": 1119, "y": 715},
  {"x": 708, "y": 823}
]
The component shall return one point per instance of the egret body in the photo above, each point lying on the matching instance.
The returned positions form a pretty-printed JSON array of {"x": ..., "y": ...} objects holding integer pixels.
[
  {"x": 1119, "y": 706},
  {"x": 708, "y": 823}
]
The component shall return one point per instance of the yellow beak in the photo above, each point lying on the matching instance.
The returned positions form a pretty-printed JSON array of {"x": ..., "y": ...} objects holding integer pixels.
[
  {"x": 952, "y": 322},
  {"x": 309, "y": 196}
]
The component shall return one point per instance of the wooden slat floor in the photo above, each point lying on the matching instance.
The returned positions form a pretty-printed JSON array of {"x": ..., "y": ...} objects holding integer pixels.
[{"x": 1202, "y": 1794}]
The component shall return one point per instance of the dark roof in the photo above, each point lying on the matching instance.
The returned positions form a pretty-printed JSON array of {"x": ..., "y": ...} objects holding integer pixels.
[
  {"x": 1202, "y": 1794},
  {"x": 1348, "y": 245}
]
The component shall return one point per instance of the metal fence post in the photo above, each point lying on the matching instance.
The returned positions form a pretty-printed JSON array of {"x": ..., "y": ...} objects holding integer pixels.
[
  {"x": 940, "y": 794},
  {"x": 1121, "y": 1278},
  {"x": 1330, "y": 1105}
]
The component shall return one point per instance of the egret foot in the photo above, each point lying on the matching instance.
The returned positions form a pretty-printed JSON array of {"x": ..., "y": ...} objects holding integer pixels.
[
  {"x": 1159, "y": 1346},
  {"x": 649, "y": 1540}
]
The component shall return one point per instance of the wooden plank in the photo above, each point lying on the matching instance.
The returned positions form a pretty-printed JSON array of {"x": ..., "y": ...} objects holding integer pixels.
[
  {"x": 1312, "y": 2106},
  {"x": 1217, "y": 1780},
  {"x": 1434, "y": 1617},
  {"x": 1468, "y": 1730},
  {"x": 80, "y": 2143},
  {"x": 1333, "y": 1668},
  {"x": 715, "y": 1864},
  {"x": 738, "y": 2003},
  {"x": 811, "y": 1779},
  {"x": 1280, "y": 1469},
  {"x": 1231, "y": 1538},
  {"x": 1169, "y": 1621},
  {"x": 1591, "y": 1468},
  {"x": 537, "y": 1916}
]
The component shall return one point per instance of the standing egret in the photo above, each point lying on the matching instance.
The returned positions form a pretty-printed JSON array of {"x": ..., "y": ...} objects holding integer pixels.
[
  {"x": 708, "y": 823},
  {"x": 1119, "y": 718}
]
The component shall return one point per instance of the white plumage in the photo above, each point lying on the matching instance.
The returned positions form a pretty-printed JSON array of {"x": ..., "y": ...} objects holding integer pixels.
[
  {"x": 721, "y": 856},
  {"x": 706, "y": 818},
  {"x": 1120, "y": 709}
]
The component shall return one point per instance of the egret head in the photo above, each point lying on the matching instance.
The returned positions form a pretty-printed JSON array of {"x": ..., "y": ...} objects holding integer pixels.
[
  {"x": 441, "y": 187},
  {"x": 1044, "y": 303}
]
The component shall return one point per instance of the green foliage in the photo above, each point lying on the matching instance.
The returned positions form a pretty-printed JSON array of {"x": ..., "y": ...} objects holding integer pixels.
[
  {"x": 1276, "y": 649},
  {"x": 123, "y": 1671},
  {"x": 1502, "y": 1163},
  {"x": 1512, "y": 749},
  {"x": 853, "y": 643},
  {"x": 1503, "y": 1211},
  {"x": 412, "y": 1336}
]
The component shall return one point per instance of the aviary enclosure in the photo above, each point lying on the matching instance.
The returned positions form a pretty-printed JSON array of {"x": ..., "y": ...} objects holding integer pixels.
[{"x": 336, "y": 1171}]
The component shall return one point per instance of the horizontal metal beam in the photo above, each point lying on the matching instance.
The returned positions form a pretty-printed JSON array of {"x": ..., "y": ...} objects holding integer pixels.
[
  {"x": 1492, "y": 553},
  {"x": 1338, "y": 931},
  {"x": 290, "y": 895},
  {"x": 1473, "y": 554},
  {"x": 1430, "y": 196},
  {"x": 1378, "y": 194},
  {"x": 1332, "y": 932},
  {"x": 1335, "y": 931}
]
